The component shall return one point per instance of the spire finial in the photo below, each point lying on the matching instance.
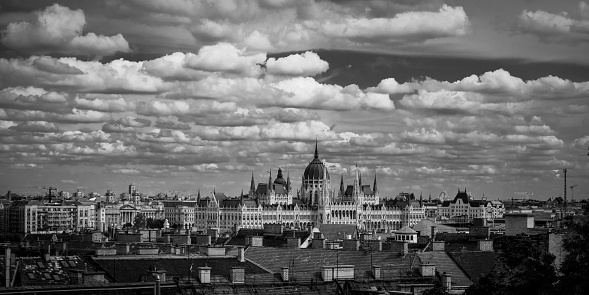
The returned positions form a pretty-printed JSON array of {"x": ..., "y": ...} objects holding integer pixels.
[{"x": 316, "y": 150}]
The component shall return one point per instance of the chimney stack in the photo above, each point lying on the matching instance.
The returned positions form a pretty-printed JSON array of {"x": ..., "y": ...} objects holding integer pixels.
[
  {"x": 284, "y": 274},
  {"x": 204, "y": 274},
  {"x": 447, "y": 281},
  {"x": 376, "y": 272},
  {"x": 241, "y": 254}
]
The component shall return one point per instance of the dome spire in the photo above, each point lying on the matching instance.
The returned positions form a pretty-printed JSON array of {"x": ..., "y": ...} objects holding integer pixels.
[{"x": 316, "y": 151}]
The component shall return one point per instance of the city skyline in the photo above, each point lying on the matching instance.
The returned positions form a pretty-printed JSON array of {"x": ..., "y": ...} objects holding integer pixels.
[{"x": 183, "y": 96}]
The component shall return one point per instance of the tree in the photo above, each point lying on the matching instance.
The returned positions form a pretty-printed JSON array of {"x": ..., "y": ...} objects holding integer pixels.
[
  {"x": 523, "y": 267},
  {"x": 438, "y": 290},
  {"x": 575, "y": 266},
  {"x": 155, "y": 223},
  {"x": 140, "y": 220}
]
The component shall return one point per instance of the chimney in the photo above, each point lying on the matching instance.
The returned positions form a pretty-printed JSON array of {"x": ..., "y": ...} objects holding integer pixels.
[
  {"x": 438, "y": 246},
  {"x": 293, "y": 242},
  {"x": 7, "y": 266},
  {"x": 284, "y": 274},
  {"x": 434, "y": 233},
  {"x": 241, "y": 254},
  {"x": 47, "y": 256},
  {"x": 447, "y": 281},
  {"x": 427, "y": 269},
  {"x": 485, "y": 245},
  {"x": 376, "y": 272},
  {"x": 238, "y": 275},
  {"x": 204, "y": 274}
]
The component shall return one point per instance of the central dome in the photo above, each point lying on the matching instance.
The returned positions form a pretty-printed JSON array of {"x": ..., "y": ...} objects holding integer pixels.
[
  {"x": 279, "y": 179},
  {"x": 316, "y": 168}
]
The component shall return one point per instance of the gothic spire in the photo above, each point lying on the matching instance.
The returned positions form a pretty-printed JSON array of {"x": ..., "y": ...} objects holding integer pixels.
[
  {"x": 341, "y": 186},
  {"x": 198, "y": 196},
  {"x": 288, "y": 181},
  {"x": 375, "y": 188},
  {"x": 252, "y": 184},
  {"x": 316, "y": 150},
  {"x": 270, "y": 180}
]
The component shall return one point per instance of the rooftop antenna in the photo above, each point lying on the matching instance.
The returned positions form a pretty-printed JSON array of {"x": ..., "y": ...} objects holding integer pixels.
[
  {"x": 565, "y": 190},
  {"x": 573, "y": 192}
]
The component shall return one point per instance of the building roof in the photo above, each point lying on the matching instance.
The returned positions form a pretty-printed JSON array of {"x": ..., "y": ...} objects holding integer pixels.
[
  {"x": 315, "y": 169},
  {"x": 475, "y": 264},
  {"x": 405, "y": 230},
  {"x": 444, "y": 263},
  {"x": 306, "y": 264},
  {"x": 367, "y": 190},
  {"x": 131, "y": 269},
  {"x": 424, "y": 227},
  {"x": 262, "y": 188},
  {"x": 35, "y": 271},
  {"x": 462, "y": 195},
  {"x": 337, "y": 231}
]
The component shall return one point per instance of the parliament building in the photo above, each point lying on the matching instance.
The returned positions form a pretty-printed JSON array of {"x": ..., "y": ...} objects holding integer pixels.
[{"x": 312, "y": 204}]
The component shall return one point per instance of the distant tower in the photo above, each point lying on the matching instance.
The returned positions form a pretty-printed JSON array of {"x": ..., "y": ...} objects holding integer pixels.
[
  {"x": 374, "y": 187},
  {"x": 132, "y": 189},
  {"x": 252, "y": 186},
  {"x": 341, "y": 186}
]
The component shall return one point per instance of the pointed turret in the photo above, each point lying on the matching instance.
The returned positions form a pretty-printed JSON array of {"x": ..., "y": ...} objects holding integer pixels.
[
  {"x": 360, "y": 178},
  {"x": 356, "y": 185},
  {"x": 341, "y": 186},
  {"x": 288, "y": 181},
  {"x": 198, "y": 196},
  {"x": 375, "y": 187},
  {"x": 316, "y": 150},
  {"x": 252, "y": 185},
  {"x": 270, "y": 180}
]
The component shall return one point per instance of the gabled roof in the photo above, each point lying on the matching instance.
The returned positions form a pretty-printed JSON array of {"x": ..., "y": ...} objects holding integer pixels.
[
  {"x": 131, "y": 269},
  {"x": 367, "y": 190},
  {"x": 475, "y": 264},
  {"x": 127, "y": 207},
  {"x": 405, "y": 230},
  {"x": 462, "y": 195},
  {"x": 349, "y": 190},
  {"x": 262, "y": 189},
  {"x": 279, "y": 189},
  {"x": 424, "y": 227},
  {"x": 444, "y": 263},
  {"x": 220, "y": 197}
]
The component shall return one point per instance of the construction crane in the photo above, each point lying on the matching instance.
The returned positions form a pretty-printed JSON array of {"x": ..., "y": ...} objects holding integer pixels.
[{"x": 572, "y": 192}]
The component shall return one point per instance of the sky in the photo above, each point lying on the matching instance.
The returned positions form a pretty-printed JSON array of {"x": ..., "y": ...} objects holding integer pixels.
[{"x": 180, "y": 96}]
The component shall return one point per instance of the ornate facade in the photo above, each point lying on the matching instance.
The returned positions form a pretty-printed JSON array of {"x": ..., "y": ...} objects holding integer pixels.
[{"x": 313, "y": 204}]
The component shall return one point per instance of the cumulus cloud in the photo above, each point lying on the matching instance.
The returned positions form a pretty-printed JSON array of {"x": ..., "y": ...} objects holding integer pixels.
[
  {"x": 418, "y": 25},
  {"x": 305, "y": 64},
  {"x": 36, "y": 126},
  {"x": 104, "y": 103},
  {"x": 131, "y": 121},
  {"x": 117, "y": 76},
  {"x": 58, "y": 29},
  {"x": 224, "y": 57},
  {"x": 304, "y": 131},
  {"x": 551, "y": 27},
  {"x": 114, "y": 127},
  {"x": 169, "y": 124},
  {"x": 33, "y": 98},
  {"x": 308, "y": 93}
]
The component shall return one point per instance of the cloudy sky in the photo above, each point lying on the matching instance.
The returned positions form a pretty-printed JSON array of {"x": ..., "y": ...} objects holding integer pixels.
[{"x": 184, "y": 95}]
